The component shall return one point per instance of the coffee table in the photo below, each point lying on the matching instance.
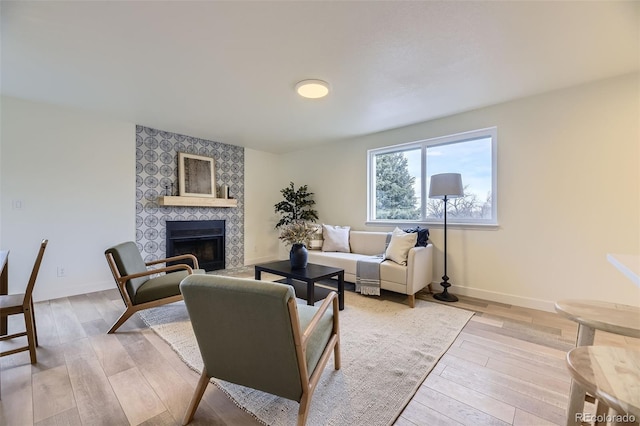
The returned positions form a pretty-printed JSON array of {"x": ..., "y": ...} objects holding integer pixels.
[{"x": 309, "y": 275}]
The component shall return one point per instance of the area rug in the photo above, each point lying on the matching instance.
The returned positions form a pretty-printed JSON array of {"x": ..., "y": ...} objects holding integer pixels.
[{"x": 388, "y": 349}]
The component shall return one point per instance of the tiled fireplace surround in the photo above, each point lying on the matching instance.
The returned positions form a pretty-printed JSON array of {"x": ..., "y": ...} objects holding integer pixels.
[{"x": 157, "y": 169}]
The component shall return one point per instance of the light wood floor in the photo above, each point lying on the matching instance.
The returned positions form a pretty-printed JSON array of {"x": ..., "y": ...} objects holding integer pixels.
[{"x": 506, "y": 367}]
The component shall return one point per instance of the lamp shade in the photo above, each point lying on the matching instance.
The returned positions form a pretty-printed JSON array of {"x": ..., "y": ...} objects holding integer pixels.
[{"x": 446, "y": 184}]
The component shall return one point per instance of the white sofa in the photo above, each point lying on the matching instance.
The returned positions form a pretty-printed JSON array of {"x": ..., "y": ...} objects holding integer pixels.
[{"x": 408, "y": 279}]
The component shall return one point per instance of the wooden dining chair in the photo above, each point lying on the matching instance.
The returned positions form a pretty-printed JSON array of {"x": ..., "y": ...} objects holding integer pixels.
[{"x": 12, "y": 304}]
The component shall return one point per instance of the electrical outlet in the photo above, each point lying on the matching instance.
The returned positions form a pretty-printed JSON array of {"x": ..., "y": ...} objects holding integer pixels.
[{"x": 61, "y": 271}]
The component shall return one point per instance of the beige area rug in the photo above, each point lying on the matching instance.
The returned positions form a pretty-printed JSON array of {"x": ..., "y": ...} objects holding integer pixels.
[{"x": 387, "y": 351}]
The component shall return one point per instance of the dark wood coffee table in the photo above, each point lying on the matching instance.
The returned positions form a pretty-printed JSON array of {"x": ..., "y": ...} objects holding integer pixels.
[{"x": 309, "y": 275}]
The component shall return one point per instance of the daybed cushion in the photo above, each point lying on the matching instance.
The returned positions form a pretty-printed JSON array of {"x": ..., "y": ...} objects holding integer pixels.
[
  {"x": 336, "y": 238},
  {"x": 346, "y": 261},
  {"x": 369, "y": 243},
  {"x": 391, "y": 271},
  {"x": 399, "y": 246}
]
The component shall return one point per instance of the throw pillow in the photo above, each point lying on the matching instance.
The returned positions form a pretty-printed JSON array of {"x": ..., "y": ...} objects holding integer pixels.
[
  {"x": 399, "y": 246},
  {"x": 336, "y": 238},
  {"x": 423, "y": 235}
]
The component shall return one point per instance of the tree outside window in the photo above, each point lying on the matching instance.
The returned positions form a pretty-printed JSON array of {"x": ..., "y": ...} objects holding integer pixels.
[{"x": 395, "y": 188}]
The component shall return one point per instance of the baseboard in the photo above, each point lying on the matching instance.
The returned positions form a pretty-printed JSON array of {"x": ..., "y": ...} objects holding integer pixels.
[
  {"x": 55, "y": 293},
  {"x": 255, "y": 260},
  {"x": 494, "y": 296}
]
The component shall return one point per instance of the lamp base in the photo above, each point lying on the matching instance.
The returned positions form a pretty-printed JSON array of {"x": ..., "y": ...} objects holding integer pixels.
[{"x": 445, "y": 297}]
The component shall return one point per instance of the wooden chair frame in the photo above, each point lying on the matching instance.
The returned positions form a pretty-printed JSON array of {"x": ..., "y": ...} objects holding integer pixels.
[
  {"x": 121, "y": 281},
  {"x": 301, "y": 339},
  {"x": 13, "y": 304}
]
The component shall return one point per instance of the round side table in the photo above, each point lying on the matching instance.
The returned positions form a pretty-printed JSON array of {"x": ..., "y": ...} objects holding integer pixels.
[
  {"x": 592, "y": 315},
  {"x": 611, "y": 375}
]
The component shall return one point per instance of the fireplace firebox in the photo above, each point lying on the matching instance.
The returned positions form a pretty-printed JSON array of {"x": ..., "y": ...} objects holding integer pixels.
[{"x": 202, "y": 238}]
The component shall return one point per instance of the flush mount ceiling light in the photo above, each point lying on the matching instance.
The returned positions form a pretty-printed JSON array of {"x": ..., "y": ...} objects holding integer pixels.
[{"x": 312, "y": 89}]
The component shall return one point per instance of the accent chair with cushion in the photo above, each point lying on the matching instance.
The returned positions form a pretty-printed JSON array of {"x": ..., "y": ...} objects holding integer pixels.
[
  {"x": 135, "y": 281},
  {"x": 253, "y": 333}
]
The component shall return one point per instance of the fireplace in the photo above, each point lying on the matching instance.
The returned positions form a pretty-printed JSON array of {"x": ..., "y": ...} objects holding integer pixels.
[{"x": 202, "y": 238}]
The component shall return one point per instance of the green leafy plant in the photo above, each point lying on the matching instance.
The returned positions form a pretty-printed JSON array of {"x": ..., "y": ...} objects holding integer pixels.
[{"x": 296, "y": 205}]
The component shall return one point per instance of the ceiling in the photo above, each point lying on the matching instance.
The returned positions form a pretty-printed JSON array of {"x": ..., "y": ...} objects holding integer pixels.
[{"x": 226, "y": 71}]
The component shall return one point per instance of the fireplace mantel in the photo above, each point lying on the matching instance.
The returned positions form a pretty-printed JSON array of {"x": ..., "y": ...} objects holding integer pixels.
[{"x": 197, "y": 201}]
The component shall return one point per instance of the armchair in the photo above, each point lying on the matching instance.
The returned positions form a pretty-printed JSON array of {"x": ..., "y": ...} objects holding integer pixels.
[
  {"x": 253, "y": 333},
  {"x": 139, "y": 290}
]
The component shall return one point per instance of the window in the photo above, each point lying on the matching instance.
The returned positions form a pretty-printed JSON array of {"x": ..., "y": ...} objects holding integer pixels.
[{"x": 399, "y": 179}]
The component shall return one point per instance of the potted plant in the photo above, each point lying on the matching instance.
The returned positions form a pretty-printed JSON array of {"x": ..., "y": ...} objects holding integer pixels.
[
  {"x": 296, "y": 205},
  {"x": 297, "y": 233}
]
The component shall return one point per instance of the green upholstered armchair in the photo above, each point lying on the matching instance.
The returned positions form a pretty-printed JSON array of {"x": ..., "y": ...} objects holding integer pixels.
[
  {"x": 253, "y": 333},
  {"x": 139, "y": 290}
]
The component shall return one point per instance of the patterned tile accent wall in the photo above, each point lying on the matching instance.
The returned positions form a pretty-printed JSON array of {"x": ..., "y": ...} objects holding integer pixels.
[{"x": 157, "y": 169}]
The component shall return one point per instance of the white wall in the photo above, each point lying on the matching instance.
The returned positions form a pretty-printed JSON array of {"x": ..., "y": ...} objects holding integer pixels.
[
  {"x": 74, "y": 175},
  {"x": 262, "y": 183},
  {"x": 568, "y": 194}
]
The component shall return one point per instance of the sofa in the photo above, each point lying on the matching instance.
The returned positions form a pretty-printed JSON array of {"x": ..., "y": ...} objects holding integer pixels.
[{"x": 405, "y": 279}]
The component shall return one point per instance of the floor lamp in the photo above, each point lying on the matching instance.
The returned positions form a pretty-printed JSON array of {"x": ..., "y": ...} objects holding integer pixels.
[{"x": 445, "y": 186}]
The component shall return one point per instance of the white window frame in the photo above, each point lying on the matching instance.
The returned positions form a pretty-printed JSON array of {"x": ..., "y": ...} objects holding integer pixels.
[{"x": 491, "y": 132}]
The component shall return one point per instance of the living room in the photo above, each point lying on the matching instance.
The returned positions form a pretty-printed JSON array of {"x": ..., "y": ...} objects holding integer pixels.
[
  {"x": 568, "y": 175},
  {"x": 556, "y": 151}
]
